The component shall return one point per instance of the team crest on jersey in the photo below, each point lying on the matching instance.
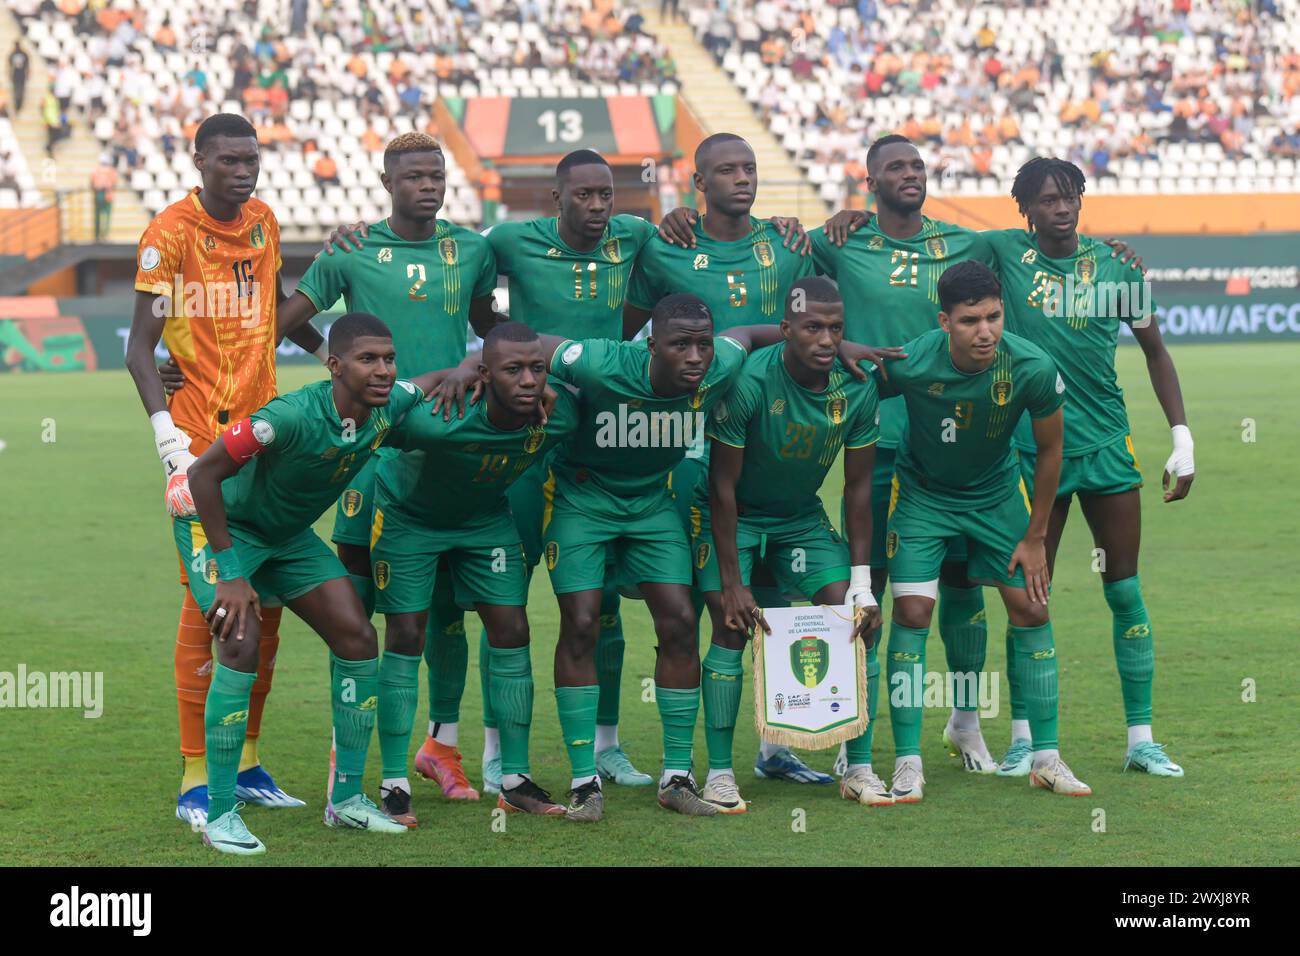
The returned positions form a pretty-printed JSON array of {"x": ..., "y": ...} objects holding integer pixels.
[
  {"x": 1030, "y": 257},
  {"x": 552, "y": 555},
  {"x": 701, "y": 262},
  {"x": 384, "y": 255},
  {"x": 612, "y": 251},
  {"x": 778, "y": 407},
  {"x": 149, "y": 258},
  {"x": 209, "y": 243},
  {"x": 1085, "y": 268},
  {"x": 936, "y": 388},
  {"x": 1001, "y": 392},
  {"x": 536, "y": 435},
  {"x": 257, "y": 237},
  {"x": 891, "y": 544},
  {"x": 383, "y": 574},
  {"x": 936, "y": 246},
  {"x": 835, "y": 409},
  {"x": 352, "y": 502},
  {"x": 702, "y": 555},
  {"x": 210, "y": 571},
  {"x": 876, "y": 242},
  {"x": 447, "y": 249},
  {"x": 763, "y": 253}
]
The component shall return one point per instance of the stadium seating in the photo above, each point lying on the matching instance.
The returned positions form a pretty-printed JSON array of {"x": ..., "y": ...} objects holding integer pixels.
[
  {"x": 21, "y": 192},
  {"x": 1145, "y": 95},
  {"x": 353, "y": 75}
]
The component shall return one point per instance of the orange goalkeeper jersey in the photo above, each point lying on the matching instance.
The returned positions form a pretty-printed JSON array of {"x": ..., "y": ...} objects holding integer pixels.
[{"x": 218, "y": 283}]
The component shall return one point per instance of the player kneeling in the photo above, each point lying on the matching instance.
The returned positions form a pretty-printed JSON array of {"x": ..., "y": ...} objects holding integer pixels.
[
  {"x": 257, "y": 490},
  {"x": 774, "y": 438},
  {"x": 445, "y": 497},
  {"x": 966, "y": 385}
]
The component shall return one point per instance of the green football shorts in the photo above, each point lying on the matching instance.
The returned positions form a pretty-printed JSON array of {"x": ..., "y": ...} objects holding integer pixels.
[
  {"x": 882, "y": 484},
  {"x": 1109, "y": 470},
  {"x": 278, "y": 572},
  {"x": 647, "y": 544},
  {"x": 484, "y": 557},
  {"x": 920, "y": 533},
  {"x": 806, "y": 554}
]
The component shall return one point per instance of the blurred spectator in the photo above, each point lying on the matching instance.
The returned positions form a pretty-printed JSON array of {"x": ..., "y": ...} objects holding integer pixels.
[
  {"x": 19, "y": 63},
  {"x": 325, "y": 170},
  {"x": 490, "y": 191},
  {"x": 103, "y": 181},
  {"x": 9, "y": 170}
]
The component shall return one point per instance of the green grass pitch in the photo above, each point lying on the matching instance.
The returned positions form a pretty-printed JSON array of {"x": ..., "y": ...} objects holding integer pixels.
[{"x": 89, "y": 584}]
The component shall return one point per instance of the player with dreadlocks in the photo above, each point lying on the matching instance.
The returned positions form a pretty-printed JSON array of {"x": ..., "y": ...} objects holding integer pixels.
[{"x": 1064, "y": 293}]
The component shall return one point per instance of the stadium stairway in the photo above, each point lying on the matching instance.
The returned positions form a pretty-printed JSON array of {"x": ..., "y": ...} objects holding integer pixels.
[
  {"x": 74, "y": 157},
  {"x": 721, "y": 108}
]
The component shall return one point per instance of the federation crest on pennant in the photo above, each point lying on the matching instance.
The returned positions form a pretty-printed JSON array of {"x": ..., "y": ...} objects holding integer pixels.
[
  {"x": 937, "y": 247},
  {"x": 447, "y": 250},
  {"x": 383, "y": 573},
  {"x": 835, "y": 409},
  {"x": 536, "y": 435},
  {"x": 810, "y": 659},
  {"x": 1001, "y": 392},
  {"x": 612, "y": 251},
  {"x": 351, "y": 502},
  {"x": 1085, "y": 268},
  {"x": 763, "y": 253}
]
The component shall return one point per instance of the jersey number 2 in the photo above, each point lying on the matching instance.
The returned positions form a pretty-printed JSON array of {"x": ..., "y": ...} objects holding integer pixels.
[{"x": 416, "y": 269}]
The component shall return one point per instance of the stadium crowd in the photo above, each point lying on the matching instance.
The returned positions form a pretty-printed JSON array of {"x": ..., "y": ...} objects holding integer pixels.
[
  {"x": 325, "y": 87},
  {"x": 1146, "y": 95}
]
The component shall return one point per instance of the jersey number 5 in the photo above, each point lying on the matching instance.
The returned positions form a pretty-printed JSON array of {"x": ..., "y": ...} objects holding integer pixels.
[{"x": 738, "y": 295}]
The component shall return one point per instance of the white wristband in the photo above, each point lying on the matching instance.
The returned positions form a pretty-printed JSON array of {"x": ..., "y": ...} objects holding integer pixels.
[
  {"x": 163, "y": 426},
  {"x": 323, "y": 352},
  {"x": 1182, "y": 437},
  {"x": 860, "y": 577}
]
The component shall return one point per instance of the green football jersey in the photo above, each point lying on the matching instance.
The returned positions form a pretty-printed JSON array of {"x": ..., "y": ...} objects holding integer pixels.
[
  {"x": 956, "y": 451},
  {"x": 558, "y": 290},
  {"x": 791, "y": 435},
  {"x": 456, "y": 473},
  {"x": 308, "y": 455},
  {"x": 1072, "y": 308},
  {"x": 628, "y": 438},
  {"x": 891, "y": 288},
  {"x": 422, "y": 290},
  {"x": 742, "y": 282}
]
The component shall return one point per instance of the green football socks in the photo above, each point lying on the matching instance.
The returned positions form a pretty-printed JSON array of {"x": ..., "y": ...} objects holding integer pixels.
[
  {"x": 609, "y": 656},
  {"x": 906, "y": 671},
  {"x": 858, "y": 750},
  {"x": 577, "y": 710},
  {"x": 225, "y": 719},
  {"x": 1135, "y": 654},
  {"x": 722, "y": 680},
  {"x": 511, "y": 692},
  {"x": 1036, "y": 662},
  {"x": 678, "y": 710},
  {"x": 965, "y": 635},
  {"x": 354, "y": 693},
  {"x": 399, "y": 693}
]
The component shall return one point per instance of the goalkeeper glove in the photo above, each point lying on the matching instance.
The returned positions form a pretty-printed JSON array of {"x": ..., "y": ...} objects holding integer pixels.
[{"x": 173, "y": 447}]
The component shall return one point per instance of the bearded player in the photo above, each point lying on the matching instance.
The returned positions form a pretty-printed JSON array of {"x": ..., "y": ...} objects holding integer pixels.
[
  {"x": 207, "y": 284},
  {"x": 1064, "y": 294},
  {"x": 430, "y": 279}
]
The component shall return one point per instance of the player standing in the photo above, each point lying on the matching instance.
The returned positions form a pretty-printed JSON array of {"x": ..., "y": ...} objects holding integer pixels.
[
  {"x": 445, "y": 498},
  {"x": 1064, "y": 295},
  {"x": 966, "y": 384},
  {"x": 742, "y": 270},
  {"x": 888, "y": 272},
  {"x": 258, "y": 489},
  {"x": 774, "y": 438},
  {"x": 429, "y": 278},
  {"x": 207, "y": 284}
]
